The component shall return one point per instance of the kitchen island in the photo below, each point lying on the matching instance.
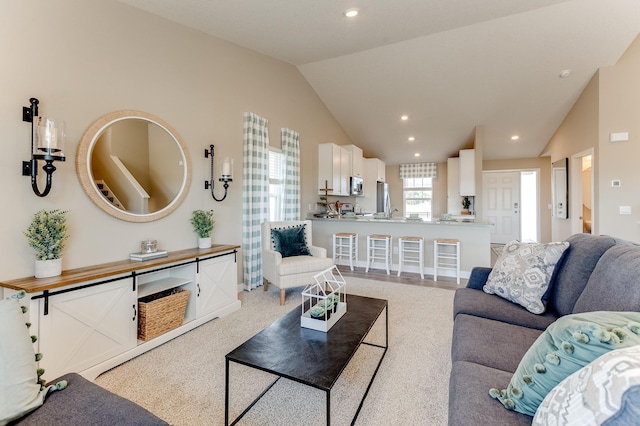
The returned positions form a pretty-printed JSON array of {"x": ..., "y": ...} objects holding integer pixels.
[{"x": 474, "y": 239}]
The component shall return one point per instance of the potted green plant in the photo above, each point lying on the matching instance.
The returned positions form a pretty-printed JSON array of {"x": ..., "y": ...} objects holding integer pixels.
[
  {"x": 466, "y": 203},
  {"x": 202, "y": 221},
  {"x": 47, "y": 234}
]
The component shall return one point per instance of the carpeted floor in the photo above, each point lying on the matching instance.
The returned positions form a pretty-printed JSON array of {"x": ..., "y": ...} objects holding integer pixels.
[{"x": 182, "y": 381}]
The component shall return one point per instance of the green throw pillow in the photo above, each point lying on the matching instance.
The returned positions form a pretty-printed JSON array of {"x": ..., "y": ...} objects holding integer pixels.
[
  {"x": 21, "y": 389},
  {"x": 566, "y": 346},
  {"x": 290, "y": 241}
]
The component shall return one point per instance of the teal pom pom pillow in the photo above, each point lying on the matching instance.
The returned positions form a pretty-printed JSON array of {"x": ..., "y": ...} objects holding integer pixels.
[
  {"x": 566, "y": 346},
  {"x": 290, "y": 241}
]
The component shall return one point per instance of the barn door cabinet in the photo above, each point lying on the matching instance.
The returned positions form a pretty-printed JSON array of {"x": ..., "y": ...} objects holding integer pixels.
[{"x": 86, "y": 320}]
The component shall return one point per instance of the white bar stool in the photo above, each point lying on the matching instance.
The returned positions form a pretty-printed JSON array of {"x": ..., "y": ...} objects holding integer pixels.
[
  {"x": 446, "y": 259},
  {"x": 411, "y": 250},
  {"x": 345, "y": 245},
  {"x": 379, "y": 248}
]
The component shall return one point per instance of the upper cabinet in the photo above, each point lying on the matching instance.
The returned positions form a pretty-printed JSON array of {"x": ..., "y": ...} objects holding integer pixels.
[
  {"x": 467, "y": 173},
  {"x": 453, "y": 185},
  {"x": 334, "y": 168},
  {"x": 376, "y": 169},
  {"x": 356, "y": 163}
]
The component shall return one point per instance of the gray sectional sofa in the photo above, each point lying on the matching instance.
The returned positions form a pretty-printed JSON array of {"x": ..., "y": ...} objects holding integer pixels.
[
  {"x": 491, "y": 334},
  {"x": 83, "y": 403}
]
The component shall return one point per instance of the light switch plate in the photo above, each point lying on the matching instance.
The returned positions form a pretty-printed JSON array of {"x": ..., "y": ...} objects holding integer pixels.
[
  {"x": 619, "y": 137},
  {"x": 625, "y": 209}
]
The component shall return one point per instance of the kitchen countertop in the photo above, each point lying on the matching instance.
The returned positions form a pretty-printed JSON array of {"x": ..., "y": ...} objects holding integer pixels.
[{"x": 403, "y": 220}]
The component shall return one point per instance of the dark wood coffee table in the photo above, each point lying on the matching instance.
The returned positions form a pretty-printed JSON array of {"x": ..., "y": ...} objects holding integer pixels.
[{"x": 310, "y": 357}]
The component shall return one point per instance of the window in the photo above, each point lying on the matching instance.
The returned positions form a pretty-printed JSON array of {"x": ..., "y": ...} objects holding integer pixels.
[
  {"x": 276, "y": 183},
  {"x": 417, "y": 194}
]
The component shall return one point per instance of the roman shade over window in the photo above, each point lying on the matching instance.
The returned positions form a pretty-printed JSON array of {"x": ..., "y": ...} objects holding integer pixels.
[{"x": 419, "y": 170}]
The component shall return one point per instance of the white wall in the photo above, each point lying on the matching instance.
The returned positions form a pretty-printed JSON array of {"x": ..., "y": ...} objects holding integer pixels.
[{"x": 84, "y": 59}]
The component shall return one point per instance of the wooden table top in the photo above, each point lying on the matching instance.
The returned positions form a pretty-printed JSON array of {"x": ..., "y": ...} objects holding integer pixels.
[{"x": 94, "y": 272}]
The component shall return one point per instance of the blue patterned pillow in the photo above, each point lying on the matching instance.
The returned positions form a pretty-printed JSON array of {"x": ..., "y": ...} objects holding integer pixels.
[
  {"x": 566, "y": 346},
  {"x": 290, "y": 241},
  {"x": 523, "y": 272}
]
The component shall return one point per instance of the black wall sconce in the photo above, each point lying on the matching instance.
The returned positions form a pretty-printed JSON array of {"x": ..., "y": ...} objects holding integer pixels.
[
  {"x": 225, "y": 177},
  {"x": 47, "y": 143}
]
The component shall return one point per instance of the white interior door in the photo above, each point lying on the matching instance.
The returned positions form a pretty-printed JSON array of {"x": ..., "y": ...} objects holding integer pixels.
[{"x": 501, "y": 200}]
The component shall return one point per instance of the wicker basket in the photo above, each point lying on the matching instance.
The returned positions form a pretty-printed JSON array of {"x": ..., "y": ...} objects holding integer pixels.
[{"x": 161, "y": 312}]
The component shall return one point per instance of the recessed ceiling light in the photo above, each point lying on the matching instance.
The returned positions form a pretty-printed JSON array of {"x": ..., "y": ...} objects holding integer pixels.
[
  {"x": 404, "y": 118},
  {"x": 565, "y": 73},
  {"x": 411, "y": 139},
  {"x": 417, "y": 154},
  {"x": 515, "y": 137},
  {"x": 350, "y": 13}
]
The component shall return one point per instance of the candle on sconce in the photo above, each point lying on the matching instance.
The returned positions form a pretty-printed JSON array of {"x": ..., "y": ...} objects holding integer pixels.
[{"x": 226, "y": 167}]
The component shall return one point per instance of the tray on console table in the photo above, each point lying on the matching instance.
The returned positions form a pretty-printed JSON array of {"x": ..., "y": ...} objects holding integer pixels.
[{"x": 94, "y": 272}]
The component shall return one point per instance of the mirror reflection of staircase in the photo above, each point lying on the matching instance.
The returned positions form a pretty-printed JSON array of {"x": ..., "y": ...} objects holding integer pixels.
[{"x": 108, "y": 194}]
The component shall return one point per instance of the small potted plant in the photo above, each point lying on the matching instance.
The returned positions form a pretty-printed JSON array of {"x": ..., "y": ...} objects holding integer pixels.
[
  {"x": 47, "y": 234},
  {"x": 466, "y": 203},
  {"x": 202, "y": 221}
]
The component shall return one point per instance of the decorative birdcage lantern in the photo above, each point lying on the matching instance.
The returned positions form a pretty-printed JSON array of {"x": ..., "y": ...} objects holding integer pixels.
[{"x": 324, "y": 301}]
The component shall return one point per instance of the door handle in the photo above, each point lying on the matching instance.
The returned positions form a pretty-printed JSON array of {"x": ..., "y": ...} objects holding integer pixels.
[{"x": 134, "y": 313}]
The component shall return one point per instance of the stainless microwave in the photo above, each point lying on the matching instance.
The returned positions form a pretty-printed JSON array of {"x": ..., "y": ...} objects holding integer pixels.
[{"x": 355, "y": 185}]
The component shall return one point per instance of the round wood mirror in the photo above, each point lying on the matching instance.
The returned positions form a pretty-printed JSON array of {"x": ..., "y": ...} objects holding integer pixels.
[{"x": 133, "y": 166}]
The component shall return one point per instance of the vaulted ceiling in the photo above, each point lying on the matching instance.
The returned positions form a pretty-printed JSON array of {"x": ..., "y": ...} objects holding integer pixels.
[{"x": 449, "y": 65}]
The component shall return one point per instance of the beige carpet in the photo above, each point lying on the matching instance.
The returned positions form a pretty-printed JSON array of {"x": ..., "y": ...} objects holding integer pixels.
[{"x": 182, "y": 381}]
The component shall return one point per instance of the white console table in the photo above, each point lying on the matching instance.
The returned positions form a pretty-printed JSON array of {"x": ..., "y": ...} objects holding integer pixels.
[{"x": 86, "y": 319}]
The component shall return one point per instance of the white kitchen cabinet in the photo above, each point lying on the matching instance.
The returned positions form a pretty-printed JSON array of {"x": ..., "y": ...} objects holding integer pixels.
[
  {"x": 86, "y": 320},
  {"x": 333, "y": 168},
  {"x": 467, "y": 172},
  {"x": 381, "y": 174},
  {"x": 217, "y": 285},
  {"x": 374, "y": 172},
  {"x": 85, "y": 327},
  {"x": 356, "y": 162},
  {"x": 453, "y": 186}
]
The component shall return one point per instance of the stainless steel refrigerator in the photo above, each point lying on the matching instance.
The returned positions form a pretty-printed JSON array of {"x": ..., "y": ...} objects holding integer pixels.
[{"x": 383, "y": 202}]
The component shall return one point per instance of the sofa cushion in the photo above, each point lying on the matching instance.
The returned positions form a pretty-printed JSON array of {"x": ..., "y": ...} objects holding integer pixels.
[
  {"x": 87, "y": 404},
  {"x": 290, "y": 241},
  {"x": 523, "y": 272},
  {"x": 490, "y": 343},
  {"x": 575, "y": 269},
  {"x": 473, "y": 302},
  {"x": 303, "y": 264},
  {"x": 606, "y": 390},
  {"x": 614, "y": 284},
  {"x": 566, "y": 346},
  {"x": 469, "y": 403}
]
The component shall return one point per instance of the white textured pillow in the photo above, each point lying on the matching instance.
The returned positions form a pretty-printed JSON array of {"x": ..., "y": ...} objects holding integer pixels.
[
  {"x": 606, "y": 391},
  {"x": 19, "y": 388},
  {"x": 523, "y": 272}
]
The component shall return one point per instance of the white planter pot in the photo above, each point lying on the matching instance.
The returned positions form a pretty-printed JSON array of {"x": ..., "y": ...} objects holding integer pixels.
[
  {"x": 204, "y": 242},
  {"x": 48, "y": 268}
]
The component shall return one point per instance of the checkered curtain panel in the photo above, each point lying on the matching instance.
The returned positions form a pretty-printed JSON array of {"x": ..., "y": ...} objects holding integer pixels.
[
  {"x": 291, "y": 154},
  {"x": 418, "y": 170},
  {"x": 255, "y": 196}
]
